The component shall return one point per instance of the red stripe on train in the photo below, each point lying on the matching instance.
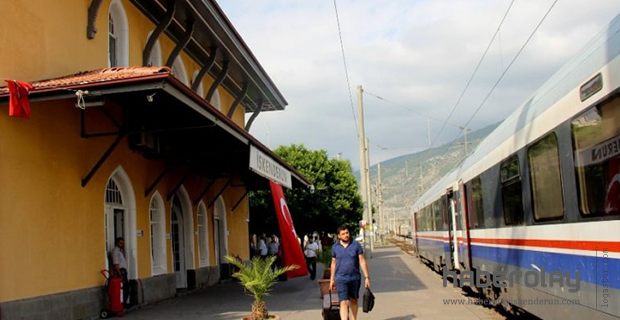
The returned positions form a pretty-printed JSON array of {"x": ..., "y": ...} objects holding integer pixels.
[
  {"x": 434, "y": 238},
  {"x": 609, "y": 246}
]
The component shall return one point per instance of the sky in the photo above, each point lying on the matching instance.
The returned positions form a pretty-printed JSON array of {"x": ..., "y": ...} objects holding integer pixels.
[{"x": 416, "y": 55}]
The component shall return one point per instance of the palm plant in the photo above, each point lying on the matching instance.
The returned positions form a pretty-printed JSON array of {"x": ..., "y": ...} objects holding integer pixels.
[{"x": 258, "y": 277}]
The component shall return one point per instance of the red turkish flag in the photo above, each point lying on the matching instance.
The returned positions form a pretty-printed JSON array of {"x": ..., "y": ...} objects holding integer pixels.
[
  {"x": 291, "y": 248},
  {"x": 19, "y": 106}
]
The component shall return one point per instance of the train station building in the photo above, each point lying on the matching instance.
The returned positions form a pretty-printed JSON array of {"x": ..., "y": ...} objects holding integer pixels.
[{"x": 136, "y": 128}]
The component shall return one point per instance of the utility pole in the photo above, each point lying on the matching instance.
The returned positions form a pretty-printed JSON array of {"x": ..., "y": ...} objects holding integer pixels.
[
  {"x": 380, "y": 200},
  {"x": 428, "y": 131},
  {"x": 371, "y": 233},
  {"x": 406, "y": 168},
  {"x": 364, "y": 167},
  {"x": 465, "y": 130}
]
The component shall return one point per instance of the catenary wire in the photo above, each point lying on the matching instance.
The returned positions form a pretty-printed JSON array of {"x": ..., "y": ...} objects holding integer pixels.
[
  {"x": 502, "y": 76},
  {"x": 443, "y": 126},
  {"x": 510, "y": 64},
  {"x": 346, "y": 70}
]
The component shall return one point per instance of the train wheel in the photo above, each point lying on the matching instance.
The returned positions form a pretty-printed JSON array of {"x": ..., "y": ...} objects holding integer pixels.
[
  {"x": 491, "y": 295},
  {"x": 503, "y": 296}
]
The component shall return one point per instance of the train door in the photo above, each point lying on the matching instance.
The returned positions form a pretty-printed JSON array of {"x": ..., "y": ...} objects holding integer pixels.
[
  {"x": 452, "y": 231},
  {"x": 462, "y": 217}
]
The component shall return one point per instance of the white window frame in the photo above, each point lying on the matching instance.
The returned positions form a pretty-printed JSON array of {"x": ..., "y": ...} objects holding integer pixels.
[
  {"x": 216, "y": 100},
  {"x": 121, "y": 33},
  {"x": 155, "y": 58},
  {"x": 178, "y": 70},
  {"x": 157, "y": 235},
  {"x": 200, "y": 90},
  {"x": 122, "y": 181},
  {"x": 219, "y": 213},
  {"x": 203, "y": 235}
]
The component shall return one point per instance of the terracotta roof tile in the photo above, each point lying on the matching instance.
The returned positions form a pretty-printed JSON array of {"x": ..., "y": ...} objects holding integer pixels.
[{"x": 95, "y": 76}]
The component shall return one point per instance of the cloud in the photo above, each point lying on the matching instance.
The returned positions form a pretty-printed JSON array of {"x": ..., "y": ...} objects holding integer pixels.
[{"x": 417, "y": 55}]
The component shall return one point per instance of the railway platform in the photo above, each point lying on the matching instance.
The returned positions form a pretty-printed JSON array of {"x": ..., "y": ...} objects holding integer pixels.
[{"x": 404, "y": 289}]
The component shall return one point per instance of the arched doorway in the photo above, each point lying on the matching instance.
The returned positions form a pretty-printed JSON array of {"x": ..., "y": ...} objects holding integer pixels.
[
  {"x": 181, "y": 234},
  {"x": 221, "y": 236},
  {"x": 120, "y": 218}
]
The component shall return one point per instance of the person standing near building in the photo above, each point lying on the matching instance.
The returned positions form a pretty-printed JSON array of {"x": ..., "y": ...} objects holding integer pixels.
[
  {"x": 262, "y": 247},
  {"x": 310, "y": 251},
  {"x": 274, "y": 246},
  {"x": 119, "y": 265},
  {"x": 347, "y": 259}
]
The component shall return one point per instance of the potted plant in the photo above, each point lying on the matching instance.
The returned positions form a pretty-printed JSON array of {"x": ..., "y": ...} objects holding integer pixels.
[
  {"x": 258, "y": 277},
  {"x": 325, "y": 258}
]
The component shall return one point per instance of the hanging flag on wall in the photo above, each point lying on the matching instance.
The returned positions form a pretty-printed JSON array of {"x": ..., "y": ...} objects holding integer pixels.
[
  {"x": 291, "y": 249},
  {"x": 19, "y": 106}
]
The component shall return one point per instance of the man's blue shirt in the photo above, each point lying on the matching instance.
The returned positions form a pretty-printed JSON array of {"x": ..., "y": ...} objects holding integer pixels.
[{"x": 347, "y": 260}]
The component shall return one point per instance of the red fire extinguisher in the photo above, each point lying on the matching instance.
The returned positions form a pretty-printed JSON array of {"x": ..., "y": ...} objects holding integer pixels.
[{"x": 115, "y": 295}]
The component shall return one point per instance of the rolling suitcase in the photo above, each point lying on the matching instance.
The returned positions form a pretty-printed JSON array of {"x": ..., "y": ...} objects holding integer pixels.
[{"x": 331, "y": 306}]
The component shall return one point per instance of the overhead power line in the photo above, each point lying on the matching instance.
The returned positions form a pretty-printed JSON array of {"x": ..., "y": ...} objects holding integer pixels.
[
  {"x": 503, "y": 74},
  {"x": 510, "y": 64},
  {"x": 421, "y": 114},
  {"x": 346, "y": 70},
  {"x": 499, "y": 26}
]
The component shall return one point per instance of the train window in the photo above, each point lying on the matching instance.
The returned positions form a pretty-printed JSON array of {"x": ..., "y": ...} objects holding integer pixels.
[
  {"x": 545, "y": 178},
  {"x": 444, "y": 213},
  {"x": 476, "y": 214},
  {"x": 596, "y": 137},
  {"x": 428, "y": 219},
  {"x": 437, "y": 215},
  {"x": 510, "y": 179}
]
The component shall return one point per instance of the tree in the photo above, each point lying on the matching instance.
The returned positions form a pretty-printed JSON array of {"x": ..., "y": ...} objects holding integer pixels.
[{"x": 334, "y": 202}]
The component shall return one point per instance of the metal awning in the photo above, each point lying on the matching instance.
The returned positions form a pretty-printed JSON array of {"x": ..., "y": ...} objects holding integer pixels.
[
  {"x": 213, "y": 36},
  {"x": 164, "y": 120}
]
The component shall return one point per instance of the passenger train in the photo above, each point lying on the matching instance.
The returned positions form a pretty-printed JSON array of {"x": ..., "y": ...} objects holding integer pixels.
[{"x": 531, "y": 219}]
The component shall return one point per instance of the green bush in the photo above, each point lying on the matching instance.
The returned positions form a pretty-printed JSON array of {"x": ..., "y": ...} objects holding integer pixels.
[{"x": 325, "y": 257}]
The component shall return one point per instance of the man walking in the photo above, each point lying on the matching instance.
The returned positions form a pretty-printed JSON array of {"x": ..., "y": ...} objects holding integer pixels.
[
  {"x": 347, "y": 258},
  {"x": 310, "y": 251}
]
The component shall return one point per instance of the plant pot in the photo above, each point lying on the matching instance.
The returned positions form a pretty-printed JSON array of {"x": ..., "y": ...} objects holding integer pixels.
[
  {"x": 271, "y": 317},
  {"x": 326, "y": 273},
  {"x": 324, "y": 287}
]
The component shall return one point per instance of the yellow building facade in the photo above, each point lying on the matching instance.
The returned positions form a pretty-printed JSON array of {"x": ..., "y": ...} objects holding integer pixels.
[{"x": 139, "y": 152}]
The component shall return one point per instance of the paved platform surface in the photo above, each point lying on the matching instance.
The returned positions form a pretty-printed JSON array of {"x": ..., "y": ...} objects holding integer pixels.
[{"x": 403, "y": 287}]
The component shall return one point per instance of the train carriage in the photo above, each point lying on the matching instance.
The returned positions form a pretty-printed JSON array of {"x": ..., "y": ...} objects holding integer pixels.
[{"x": 533, "y": 214}]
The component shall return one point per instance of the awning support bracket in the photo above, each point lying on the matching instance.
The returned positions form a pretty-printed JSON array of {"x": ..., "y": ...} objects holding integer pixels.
[
  {"x": 207, "y": 66},
  {"x": 93, "y": 9},
  {"x": 179, "y": 184},
  {"x": 152, "y": 186},
  {"x": 182, "y": 43},
  {"x": 220, "y": 77},
  {"x": 103, "y": 158},
  {"x": 204, "y": 191},
  {"x": 163, "y": 24},
  {"x": 84, "y": 134},
  {"x": 220, "y": 192},
  {"x": 238, "y": 100},
  {"x": 239, "y": 201},
  {"x": 253, "y": 116}
]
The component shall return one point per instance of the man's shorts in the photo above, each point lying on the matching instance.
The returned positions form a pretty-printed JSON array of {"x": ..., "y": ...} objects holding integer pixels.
[{"x": 349, "y": 289}]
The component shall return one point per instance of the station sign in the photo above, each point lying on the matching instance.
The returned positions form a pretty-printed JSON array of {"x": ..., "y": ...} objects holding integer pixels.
[{"x": 267, "y": 167}]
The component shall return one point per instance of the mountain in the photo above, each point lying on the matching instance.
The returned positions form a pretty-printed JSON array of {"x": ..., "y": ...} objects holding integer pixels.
[{"x": 405, "y": 178}]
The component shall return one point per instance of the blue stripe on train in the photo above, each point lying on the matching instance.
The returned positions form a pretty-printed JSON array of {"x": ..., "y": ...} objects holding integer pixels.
[
  {"x": 601, "y": 270},
  {"x": 436, "y": 244}
]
